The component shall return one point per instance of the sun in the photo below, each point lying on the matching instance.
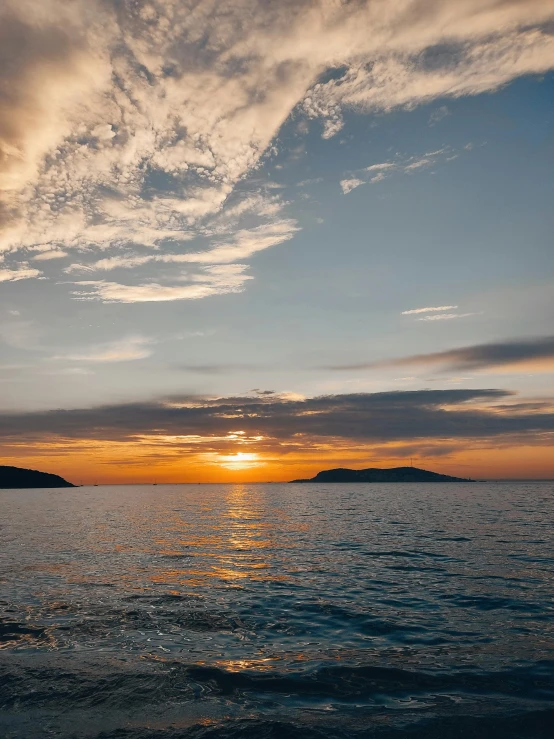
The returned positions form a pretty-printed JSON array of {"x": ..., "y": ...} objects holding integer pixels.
[{"x": 239, "y": 461}]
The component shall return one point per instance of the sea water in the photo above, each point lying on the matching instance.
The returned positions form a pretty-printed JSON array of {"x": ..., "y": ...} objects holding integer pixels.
[{"x": 316, "y": 610}]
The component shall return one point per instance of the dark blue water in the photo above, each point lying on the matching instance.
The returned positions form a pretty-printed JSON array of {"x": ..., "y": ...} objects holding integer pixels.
[{"x": 306, "y": 611}]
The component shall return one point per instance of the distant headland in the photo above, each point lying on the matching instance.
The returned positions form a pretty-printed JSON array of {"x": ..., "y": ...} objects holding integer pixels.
[
  {"x": 17, "y": 477},
  {"x": 375, "y": 474}
]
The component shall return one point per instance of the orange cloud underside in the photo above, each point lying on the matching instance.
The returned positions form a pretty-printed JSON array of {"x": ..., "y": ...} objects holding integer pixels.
[{"x": 147, "y": 461}]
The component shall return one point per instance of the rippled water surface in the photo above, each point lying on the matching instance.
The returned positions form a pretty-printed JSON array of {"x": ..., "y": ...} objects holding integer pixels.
[{"x": 278, "y": 611}]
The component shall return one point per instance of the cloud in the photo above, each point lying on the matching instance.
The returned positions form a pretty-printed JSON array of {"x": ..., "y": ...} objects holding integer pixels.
[
  {"x": 436, "y": 313},
  {"x": 438, "y": 115},
  {"x": 47, "y": 63},
  {"x": 124, "y": 261},
  {"x": 351, "y": 184},
  {"x": 380, "y": 167},
  {"x": 375, "y": 173},
  {"x": 211, "y": 272},
  {"x": 309, "y": 181},
  {"x": 431, "y": 309},
  {"x": 516, "y": 354},
  {"x": 364, "y": 418},
  {"x": 129, "y": 125},
  {"x": 242, "y": 245},
  {"x": 426, "y": 51},
  {"x": 50, "y": 254},
  {"x": 536, "y": 355},
  {"x": 212, "y": 280},
  {"x": 245, "y": 243},
  {"x": 22, "y": 272},
  {"x": 126, "y": 349},
  {"x": 445, "y": 316}
]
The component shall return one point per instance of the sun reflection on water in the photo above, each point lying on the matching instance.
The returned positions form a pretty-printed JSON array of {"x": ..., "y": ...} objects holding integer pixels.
[
  {"x": 247, "y": 535},
  {"x": 234, "y": 549}
]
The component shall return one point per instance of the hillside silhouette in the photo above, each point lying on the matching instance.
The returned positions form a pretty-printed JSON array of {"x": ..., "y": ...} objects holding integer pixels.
[
  {"x": 17, "y": 477},
  {"x": 376, "y": 474}
]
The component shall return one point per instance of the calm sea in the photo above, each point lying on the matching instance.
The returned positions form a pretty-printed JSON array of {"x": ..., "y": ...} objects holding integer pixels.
[{"x": 309, "y": 611}]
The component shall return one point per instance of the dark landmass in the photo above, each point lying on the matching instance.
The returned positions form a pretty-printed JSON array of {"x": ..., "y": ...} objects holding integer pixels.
[
  {"x": 17, "y": 477},
  {"x": 374, "y": 474}
]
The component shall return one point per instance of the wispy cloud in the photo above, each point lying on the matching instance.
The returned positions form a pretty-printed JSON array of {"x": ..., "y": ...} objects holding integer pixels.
[
  {"x": 212, "y": 280},
  {"x": 112, "y": 139},
  {"x": 445, "y": 316},
  {"x": 50, "y": 254},
  {"x": 430, "y": 309},
  {"x": 126, "y": 349},
  {"x": 407, "y": 165},
  {"x": 436, "y": 313},
  {"x": 438, "y": 115},
  {"x": 516, "y": 355},
  {"x": 212, "y": 271},
  {"x": 23, "y": 272},
  {"x": 243, "y": 244},
  {"x": 311, "y": 181}
]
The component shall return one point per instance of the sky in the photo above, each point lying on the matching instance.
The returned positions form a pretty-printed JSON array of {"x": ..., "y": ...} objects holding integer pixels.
[{"x": 247, "y": 240}]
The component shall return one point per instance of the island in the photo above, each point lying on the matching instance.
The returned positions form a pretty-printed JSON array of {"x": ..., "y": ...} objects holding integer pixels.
[
  {"x": 17, "y": 477},
  {"x": 376, "y": 474}
]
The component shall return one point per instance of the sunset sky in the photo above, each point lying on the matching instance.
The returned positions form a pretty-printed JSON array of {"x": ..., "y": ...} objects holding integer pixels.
[{"x": 253, "y": 239}]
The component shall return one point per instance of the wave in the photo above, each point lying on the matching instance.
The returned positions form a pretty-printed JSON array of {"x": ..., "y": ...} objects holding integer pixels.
[
  {"x": 531, "y": 725},
  {"x": 30, "y": 681}
]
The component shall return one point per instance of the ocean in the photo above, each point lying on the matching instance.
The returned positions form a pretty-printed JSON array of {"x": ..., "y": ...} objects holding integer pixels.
[{"x": 311, "y": 611}]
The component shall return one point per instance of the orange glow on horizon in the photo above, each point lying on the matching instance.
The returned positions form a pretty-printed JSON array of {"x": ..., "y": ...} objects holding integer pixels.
[{"x": 89, "y": 462}]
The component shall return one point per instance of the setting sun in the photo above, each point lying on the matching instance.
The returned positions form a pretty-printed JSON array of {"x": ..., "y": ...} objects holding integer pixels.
[{"x": 239, "y": 461}]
